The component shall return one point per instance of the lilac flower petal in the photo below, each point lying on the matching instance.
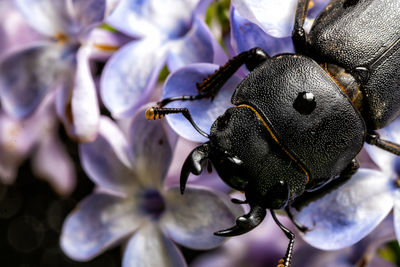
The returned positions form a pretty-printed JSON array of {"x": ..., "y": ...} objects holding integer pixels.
[
  {"x": 130, "y": 75},
  {"x": 106, "y": 159},
  {"x": 77, "y": 104},
  {"x": 198, "y": 45},
  {"x": 396, "y": 195},
  {"x": 46, "y": 16},
  {"x": 14, "y": 31},
  {"x": 205, "y": 111},
  {"x": 98, "y": 222},
  {"x": 27, "y": 76},
  {"x": 170, "y": 18},
  {"x": 246, "y": 35},
  {"x": 391, "y": 132},
  {"x": 151, "y": 151},
  {"x": 51, "y": 153},
  {"x": 347, "y": 214},
  {"x": 86, "y": 13},
  {"x": 192, "y": 219},
  {"x": 275, "y": 17},
  {"x": 18, "y": 138},
  {"x": 105, "y": 43},
  {"x": 148, "y": 247},
  {"x": 12, "y": 151},
  {"x": 385, "y": 160},
  {"x": 61, "y": 19}
]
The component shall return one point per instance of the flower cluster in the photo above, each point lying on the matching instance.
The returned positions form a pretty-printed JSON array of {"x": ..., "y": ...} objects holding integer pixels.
[{"x": 94, "y": 66}]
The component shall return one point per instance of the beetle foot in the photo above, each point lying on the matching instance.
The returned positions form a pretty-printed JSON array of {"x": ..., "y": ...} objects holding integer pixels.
[{"x": 245, "y": 223}]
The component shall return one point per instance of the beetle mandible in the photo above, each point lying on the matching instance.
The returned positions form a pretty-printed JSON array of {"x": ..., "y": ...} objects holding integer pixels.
[{"x": 300, "y": 119}]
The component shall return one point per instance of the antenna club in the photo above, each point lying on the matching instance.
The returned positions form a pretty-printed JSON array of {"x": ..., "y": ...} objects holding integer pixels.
[{"x": 150, "y": 114}]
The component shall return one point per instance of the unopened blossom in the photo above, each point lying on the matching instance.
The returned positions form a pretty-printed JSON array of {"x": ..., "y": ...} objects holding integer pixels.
[
  {"x": 132, "y": 206},
  {"x": 171, "y": 32},
  {"x": 60, "y": 61}
]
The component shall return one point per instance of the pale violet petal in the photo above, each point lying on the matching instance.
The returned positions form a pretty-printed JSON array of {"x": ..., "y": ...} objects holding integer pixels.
[
  {"x": 130, "y": 74},
  {"x": 344, "y": 216},
  {"x": 46, "y": 16},
  {"x": 391, "y": 132},
  {"x": 246, "y": 35},
  {"x": 86, "y": 13},
  {"x": 204, "y": 112},
  {"x": 385, "y": 160},
  {"x": 62, "y": 19},
  {"x": 52, "y": 163},
  {"x": 170, "y": 18},
  {"x": 99, "y": 222},
  {"x": 198, "y": 45},
  {"x": 396, "y": 195},
  {"x": 15, "y": 32},
  {"x": 191, "y": 219},
  {"x": 106, "y": 159},
  {"x": 150, "y": 148},
  {"x": 149, "y": 247},
  {"x": 275, "y": 17},
  {"x": 19, "y": 137},
  {"x": 77, "y": 102},
  {"x": 27, "y": 76}
]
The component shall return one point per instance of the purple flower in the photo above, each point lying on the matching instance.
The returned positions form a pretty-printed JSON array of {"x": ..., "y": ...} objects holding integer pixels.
[
  {"x": 169, "y": 32},
  {"x": 347, "y": 214},
  {"x": 60, "y": 61},
  {"x": 36, "y": 136},
  {"x": 363, "y": 253},
  {"x": 14, "y": 31},
  {"x": 275, "y": 17},
  {"x": 132, "y": 205},
  {"x": 244, "y": 36}
]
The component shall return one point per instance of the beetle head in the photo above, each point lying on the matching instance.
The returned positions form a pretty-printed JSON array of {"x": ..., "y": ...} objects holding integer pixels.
[{"x": 247, "y": 158}]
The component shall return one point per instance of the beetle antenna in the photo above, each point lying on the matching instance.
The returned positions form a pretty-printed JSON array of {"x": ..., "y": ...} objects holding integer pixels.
[
  {"x": 286, "y": 261},
  {"x": 155, "y": 113}
]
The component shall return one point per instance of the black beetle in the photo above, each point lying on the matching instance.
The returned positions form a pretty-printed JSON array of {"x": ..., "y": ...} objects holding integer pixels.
[{"x": 300, "y": 119}]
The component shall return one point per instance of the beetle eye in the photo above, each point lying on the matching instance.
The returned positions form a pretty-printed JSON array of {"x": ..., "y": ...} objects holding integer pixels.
[{"x": 305, "y": 103}]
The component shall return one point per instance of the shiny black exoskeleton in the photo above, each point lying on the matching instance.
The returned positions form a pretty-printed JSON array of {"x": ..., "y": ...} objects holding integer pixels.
[{"x": 300, "y": 119}]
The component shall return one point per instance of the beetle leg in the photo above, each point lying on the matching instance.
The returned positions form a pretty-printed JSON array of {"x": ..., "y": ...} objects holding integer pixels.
[
  {"x": 194, "y": 163},
  {"x": 299, "y": 226},
  {"x": 245, "y": 223},
  {"x": 211, "y": 85},
  {"x": 374, "y": 139},
  {"x": 299, "y": 35},
  {"x": 238, "y": 201},
  {"x": 344, "y": 176},
  {"x": 286, "y": 261}
]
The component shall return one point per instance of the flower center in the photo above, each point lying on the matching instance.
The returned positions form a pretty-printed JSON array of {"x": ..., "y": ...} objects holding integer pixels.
[{"x": 152, "y": 203}]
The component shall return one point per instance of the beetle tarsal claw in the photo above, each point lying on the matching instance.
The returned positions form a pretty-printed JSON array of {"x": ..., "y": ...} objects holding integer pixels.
[
  {"x": 194, "y": 163},
  {"x": 245, "y": 223}
]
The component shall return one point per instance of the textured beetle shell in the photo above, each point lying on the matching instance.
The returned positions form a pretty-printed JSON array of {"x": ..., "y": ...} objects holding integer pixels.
[
  {"x": 364, "y": 35},
  {"x": 266, "y": 164},
  {"x": 324, "y": 141}
]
